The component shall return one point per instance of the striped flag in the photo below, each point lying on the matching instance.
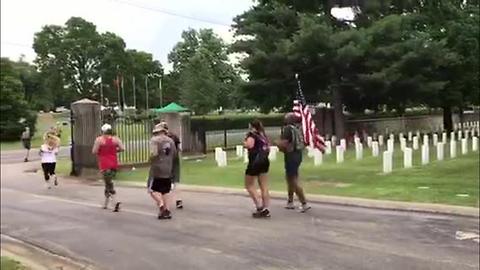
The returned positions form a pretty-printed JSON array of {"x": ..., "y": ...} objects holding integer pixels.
[{"x": 311, "y": 135}]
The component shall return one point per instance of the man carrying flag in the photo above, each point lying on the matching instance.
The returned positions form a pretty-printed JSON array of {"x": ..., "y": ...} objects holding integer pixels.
[{"x": 299, "y": 131}]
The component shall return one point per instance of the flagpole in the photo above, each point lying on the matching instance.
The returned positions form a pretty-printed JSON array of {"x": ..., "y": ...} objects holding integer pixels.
[
  {"x": 134, "y": 97},
  {"x": 118, "y": 92},
  {"x": 101, "y": 91},
  {"x": 146, "y": 93},
  {"x": 123, "y": 96},
  {"x": 160, "y": 89}
]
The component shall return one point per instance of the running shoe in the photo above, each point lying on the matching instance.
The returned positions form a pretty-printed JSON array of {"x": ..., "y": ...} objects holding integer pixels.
[
  {"x": 304, "y": 208},
  {"x": 165, "y": 214},
  {"x": 105, "y": 204},
  {"x": 290, "y": 205},
  {"x": 179, "y": 204},
  {"x": 55, "y": 181},
  {"x": 261, "y": 213},
  {"x": 117, "y": 207}
]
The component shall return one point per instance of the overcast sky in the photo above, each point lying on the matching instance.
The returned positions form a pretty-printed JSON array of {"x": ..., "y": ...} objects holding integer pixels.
[{"x": 143, "y": 24}]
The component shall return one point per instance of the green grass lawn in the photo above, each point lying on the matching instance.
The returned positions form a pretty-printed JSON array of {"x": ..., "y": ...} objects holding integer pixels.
[
  {"x": 437, "y": 182},
  {"x": 44, "y": 122},
  {"x": 8, "y": 264}
]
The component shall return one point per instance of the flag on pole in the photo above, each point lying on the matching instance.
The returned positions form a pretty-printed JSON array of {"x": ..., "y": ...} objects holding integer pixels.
[{"x": 311, "y": 135}]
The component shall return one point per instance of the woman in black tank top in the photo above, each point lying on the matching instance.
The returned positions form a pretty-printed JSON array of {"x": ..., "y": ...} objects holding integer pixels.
[{"x": 258, "y": 165}]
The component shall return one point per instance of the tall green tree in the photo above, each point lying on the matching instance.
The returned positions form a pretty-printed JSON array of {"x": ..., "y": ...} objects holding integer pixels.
[
  {"x": 223, "y": 79},
  {"x": 15, "y": 111}
]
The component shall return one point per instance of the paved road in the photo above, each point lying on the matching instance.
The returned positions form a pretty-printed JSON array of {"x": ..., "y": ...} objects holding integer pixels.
[
  {"x": 17, "y": 156},
  {"x": 215, "y": 231}
]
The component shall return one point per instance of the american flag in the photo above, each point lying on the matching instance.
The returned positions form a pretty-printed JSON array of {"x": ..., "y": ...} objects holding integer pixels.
[{"x": 311, "y": 135}]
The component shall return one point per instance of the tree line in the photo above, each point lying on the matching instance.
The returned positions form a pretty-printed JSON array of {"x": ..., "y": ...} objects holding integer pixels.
[{"x": 391, "y": 56}]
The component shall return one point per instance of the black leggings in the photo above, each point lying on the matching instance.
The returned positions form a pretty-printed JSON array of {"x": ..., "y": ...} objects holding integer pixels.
[{"x": 48, "y": 170}]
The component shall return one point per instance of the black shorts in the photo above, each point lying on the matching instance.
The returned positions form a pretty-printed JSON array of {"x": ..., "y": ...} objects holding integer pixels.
[
  {"x": 48, "y": 169},
  {"x": 161, "y": 185},
  {"x": 292, "y": 163},
  {"x": 258, "y": 168}
]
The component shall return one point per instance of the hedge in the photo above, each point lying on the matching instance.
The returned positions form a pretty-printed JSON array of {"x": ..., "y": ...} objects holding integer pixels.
[{"x": 221, "y": 122}]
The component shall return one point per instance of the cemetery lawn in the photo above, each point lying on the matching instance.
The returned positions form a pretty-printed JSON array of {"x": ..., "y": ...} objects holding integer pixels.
[
  {"x": 452, "y": 181},
  {"x": 9, "y": 264},
  {"x": 44, "y": 122}
]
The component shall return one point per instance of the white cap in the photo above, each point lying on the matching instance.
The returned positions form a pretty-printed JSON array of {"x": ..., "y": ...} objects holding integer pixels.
[{"x": 106, "y": 127}]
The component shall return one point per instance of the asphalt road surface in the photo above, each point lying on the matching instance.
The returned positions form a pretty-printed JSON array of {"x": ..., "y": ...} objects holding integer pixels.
[{"x": 216, "y": 231}]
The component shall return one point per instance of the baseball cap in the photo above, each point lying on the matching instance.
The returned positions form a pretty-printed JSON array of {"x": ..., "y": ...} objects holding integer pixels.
[{"x": 106, "y": 127}]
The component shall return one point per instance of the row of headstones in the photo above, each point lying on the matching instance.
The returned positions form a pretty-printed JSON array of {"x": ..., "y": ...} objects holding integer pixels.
[{"x": 221, "y": 155}]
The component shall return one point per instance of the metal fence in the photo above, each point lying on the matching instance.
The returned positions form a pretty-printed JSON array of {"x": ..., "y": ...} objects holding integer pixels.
[
  {"x": 135, "y": 135},
  {"x": 232, "y": 137}
]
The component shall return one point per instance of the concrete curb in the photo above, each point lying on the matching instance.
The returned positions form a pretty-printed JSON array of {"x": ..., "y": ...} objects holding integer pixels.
[
  {"x": 337, "y": 200},
  {"x": 35, "y": 257}
]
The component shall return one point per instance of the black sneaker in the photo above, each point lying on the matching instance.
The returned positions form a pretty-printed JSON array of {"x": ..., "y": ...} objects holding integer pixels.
[
  {"x": 179, "y": 204},
  {"x": 117, "y": 207},
  {"x": 25, "y": 160},
  {"x": 261, "y": 213},
  {"x": 165, "y": 215}
]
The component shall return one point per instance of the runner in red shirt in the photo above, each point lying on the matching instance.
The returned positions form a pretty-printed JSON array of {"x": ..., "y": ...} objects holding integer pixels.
[{"x": 106, "y": 147}]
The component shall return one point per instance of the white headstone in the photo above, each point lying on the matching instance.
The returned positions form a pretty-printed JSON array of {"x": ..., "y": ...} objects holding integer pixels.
[
  {"x": 272, "y": 156},
  {"x": 343, "y": 143},
  {"x": 466, "y": 133},
  {"x": 425, "y": 154},
  {"x": 444, "y": 137},
  {"x": 356, "y": 140},
  {"x": 403, "y": 144},
  {"x": 392, "y": 137},
  {"x": 369, "y": 141},
  {"x": 435, "y": 139},
  {"x": 459, "y": 135},
  {"x": 245, "y": 156},
  {"x": 407, "y": 157},
  {"x": 317, "y": 157},
  {"x": 380, "y": 140},
  {"x": 239, "y": 150},
  {"x": 218, "y": 151},
  {"x": 358, "y": 151},
  {"x": 328, "y": 147},
  {"x": 417, "y": 133},
  {"x": 222, "y": 161},
  {"x": 453, "y": 149},
  {"x": 390, "y": 145},
  {"x": 310, "y": 151},
  {"x": 440, "y": 151},
  {"x": 339, "y": 154},
  {"x": 387, "y": 161},
  {"x": 415, "y": 143},
  {"x": 464, "y": 146},
  {"x": 410, "y": 136},
  {"x": 400, "y": 136},
  {"x": 375, "y": 150},
  {"x": 452, "y": 136},
  {"x": 425, "y": 139},
  {"x": 475, "y": 144},
  {"x": 472, "y": 132},
  {"x": 334, "y": 140}
]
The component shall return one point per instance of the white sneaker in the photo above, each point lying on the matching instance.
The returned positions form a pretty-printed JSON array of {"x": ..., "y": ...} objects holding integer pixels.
[
  {"x": 304, "y": 207},
  {"x": 290, "y": 205}
]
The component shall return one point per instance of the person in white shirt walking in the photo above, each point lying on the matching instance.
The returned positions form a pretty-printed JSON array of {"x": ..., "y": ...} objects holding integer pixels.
[{"x": 48, "y": 153}]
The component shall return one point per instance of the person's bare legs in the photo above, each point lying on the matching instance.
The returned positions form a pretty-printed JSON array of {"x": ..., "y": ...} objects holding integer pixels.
[
  {"x": 263, "y": 183},
  {"x": 157, "y": 197},
  {"x": 27, "y": 155},
  {"x": 251, "y": 189}
]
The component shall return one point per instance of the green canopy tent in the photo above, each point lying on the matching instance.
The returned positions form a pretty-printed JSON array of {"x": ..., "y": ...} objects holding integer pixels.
[{"x": 171, "y": 108}]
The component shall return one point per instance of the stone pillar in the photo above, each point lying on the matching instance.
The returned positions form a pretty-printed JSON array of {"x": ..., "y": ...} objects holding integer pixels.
[{"x": 86, "y": 123}]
